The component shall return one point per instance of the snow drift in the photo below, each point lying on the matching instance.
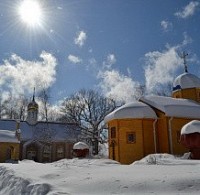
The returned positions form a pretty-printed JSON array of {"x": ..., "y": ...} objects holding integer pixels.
[{"x": 155, "y": 174}]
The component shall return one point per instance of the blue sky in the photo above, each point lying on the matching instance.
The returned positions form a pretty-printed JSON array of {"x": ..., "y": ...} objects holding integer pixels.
[{"x": 109, "y": 45}]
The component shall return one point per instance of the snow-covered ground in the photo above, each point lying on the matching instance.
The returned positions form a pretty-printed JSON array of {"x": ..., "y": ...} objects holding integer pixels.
[{"x": 155, "y": 174}]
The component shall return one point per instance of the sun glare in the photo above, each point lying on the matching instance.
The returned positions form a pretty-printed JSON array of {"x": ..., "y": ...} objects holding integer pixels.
[{"x": 30, "y": 12}]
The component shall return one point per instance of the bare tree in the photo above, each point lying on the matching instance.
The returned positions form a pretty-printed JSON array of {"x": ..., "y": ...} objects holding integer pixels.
[
  {"x": 8, "y": 106},
  {"x": 54, "y": 113},
  {"x": 87, "y": 109},
  {"x": 14, "y": 107},
  {"x": 22, "y": 103},
  {"x": 44, "y": 96}
]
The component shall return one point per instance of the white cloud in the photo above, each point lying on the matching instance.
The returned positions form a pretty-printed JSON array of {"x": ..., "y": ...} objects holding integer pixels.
[
  {"x": 80, "y": 39},
  {"x": 110, "y": 60},
  {"x": 166, "y": 25},
  {"x": 118, "y": 86},
  {"x": 74, "y": 59},
  {"x": 188, "y": 10},
  {"x": 20, "y": 76},
  {"x": 187, "y": 39},
  {"x": 160, "y": 68}
]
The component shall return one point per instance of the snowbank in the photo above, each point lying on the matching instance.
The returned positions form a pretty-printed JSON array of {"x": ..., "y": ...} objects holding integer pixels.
[
  {"x": 169, "y": 175},
  {"x": 13, "y": 184}
]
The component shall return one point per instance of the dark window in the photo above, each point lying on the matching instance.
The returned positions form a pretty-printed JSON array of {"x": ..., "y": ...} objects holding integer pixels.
[
  {"x": 113, "y": 132},
  {"x": 131, "y": 138}
]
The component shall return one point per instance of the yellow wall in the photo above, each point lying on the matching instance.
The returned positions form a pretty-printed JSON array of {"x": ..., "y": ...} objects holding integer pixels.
[
  {"x": 192, "y": 93},
  {"x": 177, "y": 124},
  {"x": 4, "y": 147},
  {"x": 133, "y": 151},
  {"x": 163, "y": 136},
  {"x": 148, "y": 134},
  {"x": 125, "y": 152}
]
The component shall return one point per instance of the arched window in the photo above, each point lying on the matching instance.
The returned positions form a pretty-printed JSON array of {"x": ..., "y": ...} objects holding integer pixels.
[
  {"x": 47, "y": 153},
  {"x": 60, "y": 151},
  {"x": 31, "y": 153},
  {"x": 10, "y": 153},
  {"x": 46, "y": 150}
]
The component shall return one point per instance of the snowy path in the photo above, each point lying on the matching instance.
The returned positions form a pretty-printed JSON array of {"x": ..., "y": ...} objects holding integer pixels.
[{"x": 98, "y": 176}]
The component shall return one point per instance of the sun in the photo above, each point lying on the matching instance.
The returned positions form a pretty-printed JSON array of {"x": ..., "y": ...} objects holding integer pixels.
[{"x": 30, "y": 12}]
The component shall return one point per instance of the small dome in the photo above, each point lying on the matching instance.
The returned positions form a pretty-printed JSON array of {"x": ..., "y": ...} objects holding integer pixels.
[
  {"x": 33, "y": 105},
  {"x": 186, "y": 81}
]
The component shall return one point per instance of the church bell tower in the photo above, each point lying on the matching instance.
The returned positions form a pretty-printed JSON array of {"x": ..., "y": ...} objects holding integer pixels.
[
  {"x": 186, "y": 85},
  {"x": 32, "y": 111}
]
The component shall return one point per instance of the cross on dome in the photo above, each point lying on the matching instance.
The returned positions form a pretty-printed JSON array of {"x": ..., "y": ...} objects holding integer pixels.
[{"x": 183, "y": 56}]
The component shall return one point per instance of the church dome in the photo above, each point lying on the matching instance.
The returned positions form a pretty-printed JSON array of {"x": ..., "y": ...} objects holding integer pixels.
[
  {"x": 33, "y": 104},
  {"x": 186, "y": 81}
]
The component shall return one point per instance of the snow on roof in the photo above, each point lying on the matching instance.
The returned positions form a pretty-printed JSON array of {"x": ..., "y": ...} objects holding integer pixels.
[
  {"x": 173, "y": 106},
  {"x": 191, "y": 127},
  {"x": 8, "y": 136},
  {"x": 185, "y": 81},
  {"x": 80, "y": 146},
  {"x": 132, "y": 110},
  {"x": 59, "y": 131}
]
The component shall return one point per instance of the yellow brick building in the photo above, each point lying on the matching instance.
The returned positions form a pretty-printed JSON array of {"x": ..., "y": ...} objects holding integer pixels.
[
  {"x": 153, "y": 124},
  {"x": 9, "y": 146}
]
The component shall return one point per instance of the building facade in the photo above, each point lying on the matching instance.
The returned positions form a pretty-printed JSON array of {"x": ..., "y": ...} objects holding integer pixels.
[
  {"x": 41, "y": 141},
  {"x": 137, "y": 130}
]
